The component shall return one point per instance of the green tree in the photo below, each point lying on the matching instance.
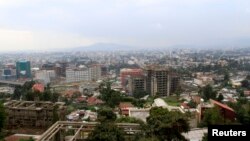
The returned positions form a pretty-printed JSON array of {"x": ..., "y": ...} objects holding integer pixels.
[
  {"x": 55, "y": 114},
  {"x": 107, "y": 131},
  {"x": 220, "y": 97},
  {"x": 106, "y": 115},
  {"x": 192, "y": 104},
  {"x": 207, "y": 93},
  {"x": 110, "y": 96},
  {"x": 212, "y": 116},
  {"x": 139, "y": 94},
  {"x": 226, "y": 77},
  {"x": 167, "y": 125},
  {"x": 17, "y": 93},
  {"x": 30, "y": 139},
  {"x": 2, "y": 116},
  {"x": 205, "y": 137},
  {"x": 245, "y": 83}
]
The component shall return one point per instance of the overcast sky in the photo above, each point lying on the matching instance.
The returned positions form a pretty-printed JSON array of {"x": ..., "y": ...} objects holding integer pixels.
[{"x": 47, "y": 24}]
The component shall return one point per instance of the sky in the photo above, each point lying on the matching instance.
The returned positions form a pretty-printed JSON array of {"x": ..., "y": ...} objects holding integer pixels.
[{"x": 60, "y": 24}]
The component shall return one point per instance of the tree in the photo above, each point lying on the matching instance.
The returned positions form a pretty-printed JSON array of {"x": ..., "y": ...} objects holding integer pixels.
[
  {"x": 192, "y": 104},
  {"x": 139, "y": 94},
  {"x": 106, "y": 115},
  {"x": 110, "y": 96},
  {"x": 220, "y": 97},
  {"x": 167, "y": 125},
  {"x": 30, "y": 139},
  {"x": 205, "y": 137},
  {"x": 212, "y": 116},
  {"x": 17, "y": 93},
  {"x": 245, "y": 83},
  {"x": 207, "y": 92},
  {"x": 226, "y": 77},
  {"x": 2, "y": 116},
  {"x": 107, "y": 132}
]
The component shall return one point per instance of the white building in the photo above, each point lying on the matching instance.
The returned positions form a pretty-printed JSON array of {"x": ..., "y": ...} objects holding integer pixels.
[
  {"x": 95, "y": 72},
  {"x": 76, "y": 75},
  {"x": 45, "y": 75}
]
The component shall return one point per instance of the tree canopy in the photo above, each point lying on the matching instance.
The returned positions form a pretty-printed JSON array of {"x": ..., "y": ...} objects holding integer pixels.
[
  {"x": 106, "y": 132},
  {"x": 167, "y": 125},
  {"x": 2, "y": 116},
  {"x": 106, "y": 115},
  {"x": 110, "y": 96},
  {"x": 207, "y": 92}
]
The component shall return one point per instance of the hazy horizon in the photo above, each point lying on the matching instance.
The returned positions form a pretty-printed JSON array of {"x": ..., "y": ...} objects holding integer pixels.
[{"x": 54, "y": 24}]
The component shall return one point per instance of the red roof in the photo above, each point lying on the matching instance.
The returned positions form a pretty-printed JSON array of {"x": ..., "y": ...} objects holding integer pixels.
[
  {"x": 125, "y": 105},
  {"x": 93, "y": 100},
  {"x": 221, "y": 105},
  {"x": 247, "y": 93},
  {"x": 38, "y": 87}
]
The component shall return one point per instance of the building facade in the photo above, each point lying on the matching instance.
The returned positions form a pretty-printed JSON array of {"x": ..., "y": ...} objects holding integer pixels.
[
  {"x": 33, "y": 113},
  {"x": 126, "y": 73},
  {"x": 161, "y": 81},
  {"x": 23, "y": 69},
  {"x": 76, "y": 75},
  {"x": 45, "y": 76}
]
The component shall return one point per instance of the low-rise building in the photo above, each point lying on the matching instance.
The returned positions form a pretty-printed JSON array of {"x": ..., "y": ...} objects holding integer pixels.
[{"x": 33, "y": 113}]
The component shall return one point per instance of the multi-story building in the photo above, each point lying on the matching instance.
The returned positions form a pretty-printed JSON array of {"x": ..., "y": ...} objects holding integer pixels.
[
  {"x": 136, "y": 84},
  {"x": 95, "y": 72},
  {"x": 161, "y": 81},
  {"x": 45, "y": 75},
  {"x": 174, "y": 83},
  {"x": 23, "y": 69},
  {"x": 76, "y": 75},
  {"x": 8, "y": 74},
  {"x": 157, "y": 81},
  {"x": 60, "y": 69},
  {"x": 33, "y": 113},
  {"x": 126, "y": 73}
]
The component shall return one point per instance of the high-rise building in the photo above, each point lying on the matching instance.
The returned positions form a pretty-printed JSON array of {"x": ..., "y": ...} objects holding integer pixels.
[
  {"x": 175, "y": 83},
  {"x": 136, "y": 84},
  {"x": 126, "y": 73},
  {"x": 23, "y": 69},
  {"x": 161, "y": 81}
]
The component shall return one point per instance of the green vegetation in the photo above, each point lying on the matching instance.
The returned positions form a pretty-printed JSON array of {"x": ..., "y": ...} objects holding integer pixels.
[
  {"x": 2, "y": 116},
  {"x": 211, "y": 117},
  {"x": 110, "y": 96},
  {"x": 30, "y": 139},
  {"x": 207, "y": 93},
  {"x": 106, "y": 115},
  {"x": 106, "y": 130},
  {"x": 167, "y": 125},
  {"x": 205, "y": 137},
  {"x": 242, "y": 110},
  {"x": 25, "y": 92},
  {"x": 139, "y": 94},
  {"x": 172, "y": 101}
]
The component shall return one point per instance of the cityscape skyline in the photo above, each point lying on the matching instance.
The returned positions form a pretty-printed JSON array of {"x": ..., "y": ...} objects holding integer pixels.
[{"x": 64, "y": 24}]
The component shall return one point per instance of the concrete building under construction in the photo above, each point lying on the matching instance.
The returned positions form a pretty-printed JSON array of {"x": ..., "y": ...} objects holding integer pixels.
[
  {"x": 160, "y": 81},
  {"x": 79, "y": 131},
  {"x": 33, "y": 113}
]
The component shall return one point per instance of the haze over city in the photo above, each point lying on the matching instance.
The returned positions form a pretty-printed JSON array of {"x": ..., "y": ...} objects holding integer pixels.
[{"x": 53, "y": 24}]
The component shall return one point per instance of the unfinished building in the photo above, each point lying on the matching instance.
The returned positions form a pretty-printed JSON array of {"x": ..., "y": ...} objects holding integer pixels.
[
  {"x": 79, "y": 131},
  {"x": 33, "y": 113}
]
